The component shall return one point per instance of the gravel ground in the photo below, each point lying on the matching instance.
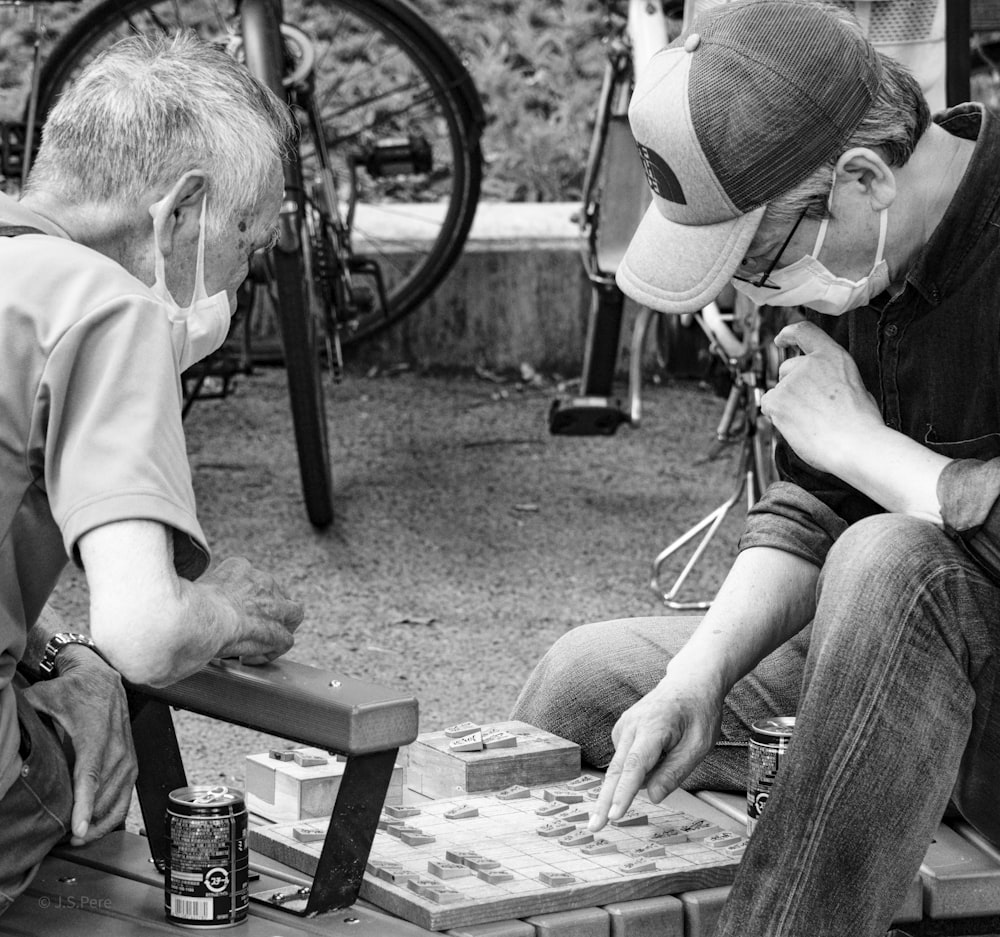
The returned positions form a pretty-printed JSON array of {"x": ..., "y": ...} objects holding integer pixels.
[{"x": 466, "y": 540}]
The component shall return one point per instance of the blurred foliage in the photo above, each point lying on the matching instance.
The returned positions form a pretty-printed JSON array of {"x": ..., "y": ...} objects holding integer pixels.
[
  {"x": 537, "y": 66},
  {"x": 538, "y": 69}
]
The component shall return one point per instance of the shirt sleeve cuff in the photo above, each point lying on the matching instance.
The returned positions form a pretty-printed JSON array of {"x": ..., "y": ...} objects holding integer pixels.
[
  {"x": 969, "y": 495},
  {"x": 789, "y": 518}
]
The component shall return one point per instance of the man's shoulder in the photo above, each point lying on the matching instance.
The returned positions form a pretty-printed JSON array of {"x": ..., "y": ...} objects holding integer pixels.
[
  {"x": 54, "y": 271},
  {"x": 66, "y": 264}
]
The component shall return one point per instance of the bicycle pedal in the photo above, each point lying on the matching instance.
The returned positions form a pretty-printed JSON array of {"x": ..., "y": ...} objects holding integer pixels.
[{"x": 586, "y": 416}]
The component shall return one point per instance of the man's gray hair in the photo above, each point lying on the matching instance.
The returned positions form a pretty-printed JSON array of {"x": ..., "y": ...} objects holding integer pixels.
[{"x": 146, "y": 111}]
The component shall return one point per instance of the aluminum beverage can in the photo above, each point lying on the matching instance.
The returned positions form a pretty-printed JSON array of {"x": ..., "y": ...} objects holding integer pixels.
[
  {"x": 768, "y": 746},
  {"x": 208, "y": 866}
]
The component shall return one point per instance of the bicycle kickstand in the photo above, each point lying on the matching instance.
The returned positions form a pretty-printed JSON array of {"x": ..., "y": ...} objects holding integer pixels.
[{"x": 712, "y": 521}]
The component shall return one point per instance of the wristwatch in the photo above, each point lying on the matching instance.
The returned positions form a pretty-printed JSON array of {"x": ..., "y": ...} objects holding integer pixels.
[{"x": 47, "y": 667}]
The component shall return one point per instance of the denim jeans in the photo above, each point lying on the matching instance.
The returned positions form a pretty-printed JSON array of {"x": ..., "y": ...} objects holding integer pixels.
[
  {"x": 35, "y": 812},
  {"x": 896, "y": 693}
]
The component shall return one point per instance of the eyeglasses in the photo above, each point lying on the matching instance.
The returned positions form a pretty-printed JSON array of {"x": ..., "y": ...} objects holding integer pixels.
[{"x": 763, "y": 281}]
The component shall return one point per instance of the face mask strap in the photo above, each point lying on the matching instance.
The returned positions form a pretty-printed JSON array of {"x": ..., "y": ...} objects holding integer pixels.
[
  {"x": 883, "y": 227},
  {"x": 199, "y": 272},
  {"x": 158, "y": 210}
]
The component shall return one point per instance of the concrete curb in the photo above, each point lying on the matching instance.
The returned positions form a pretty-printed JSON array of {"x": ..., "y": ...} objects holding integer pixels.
[{"x": 518, "y": 294}]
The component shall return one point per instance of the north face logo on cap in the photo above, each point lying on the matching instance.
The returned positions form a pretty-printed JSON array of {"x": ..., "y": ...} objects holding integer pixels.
[{"x": 660, "y": 176}]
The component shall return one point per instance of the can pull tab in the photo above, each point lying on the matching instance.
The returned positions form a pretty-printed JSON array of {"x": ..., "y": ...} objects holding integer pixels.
[{"x": 213, "y": 795}]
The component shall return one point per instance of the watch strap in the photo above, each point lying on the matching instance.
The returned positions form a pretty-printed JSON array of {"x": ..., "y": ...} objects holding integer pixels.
[{"x": 47, "y": 665}]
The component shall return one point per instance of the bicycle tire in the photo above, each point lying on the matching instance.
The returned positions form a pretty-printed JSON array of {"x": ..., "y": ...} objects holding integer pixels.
[
  {"x": 443, "y": 108},
  {"x": 264, "y": 54}
]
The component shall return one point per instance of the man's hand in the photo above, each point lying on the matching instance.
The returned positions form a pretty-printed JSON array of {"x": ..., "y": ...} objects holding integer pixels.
[
  {"x": 268, "y": 616},
  {"x": 820, "y": 405},
  {"x": 87, "y": 701},
  {"x": 658, "y": 742}
]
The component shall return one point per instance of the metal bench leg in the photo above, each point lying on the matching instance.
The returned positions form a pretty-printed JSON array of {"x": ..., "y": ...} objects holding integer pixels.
[
  {"x": 161, "y": 769},
  {"x": 348, "y": 841}
]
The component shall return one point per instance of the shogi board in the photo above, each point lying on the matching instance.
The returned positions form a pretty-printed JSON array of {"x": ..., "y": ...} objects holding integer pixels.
[
  {"x": 505, "y": 834},
  {"x": 434, "y": 769}
]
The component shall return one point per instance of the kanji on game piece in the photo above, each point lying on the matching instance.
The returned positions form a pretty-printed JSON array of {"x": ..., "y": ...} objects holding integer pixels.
[
  {"x": 309, "y": 760},
  {"x": 499, "y": 740},
  {"x": 461, "y": 812},
  {"x": 398, "y": 811},
  {"x": 577, "y": 838},
  {"x": 481, "y": 863},
  {"x": 556, "y": 878},
  {"x": 585, "y": 782},
  {"x": 649, "y": 851},
  {"x": 699, "y": 829},
  {"x": 670, "y": 836},
  {"x": 564, "y": 796},
  {"x": 576, "y": 815},
  {"x": 600, "y": 847},
  {"x": 467, "y": 743},
  {"x": 718, "y": 840},
  {"x": 638, "y": 865},
  {"x": 631, "y": 818},
  {"x": 461, "y": 730},
  {"x": 555, "y": 828},
  {"x": 442, "y": 868},
  {"x": 308, "y": 834},
  {"x": 547, "y": 810},
  {"x": 461, "y": 855}
]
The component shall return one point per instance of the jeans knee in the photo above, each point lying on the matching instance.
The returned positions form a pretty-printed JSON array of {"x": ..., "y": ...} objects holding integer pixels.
[
  {"x": 887, "y": 548},
  {"x": 569, "y": 666}
]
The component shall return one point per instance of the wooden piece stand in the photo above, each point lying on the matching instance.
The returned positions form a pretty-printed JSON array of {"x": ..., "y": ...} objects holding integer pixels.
[{"x": 435, "y": 770}]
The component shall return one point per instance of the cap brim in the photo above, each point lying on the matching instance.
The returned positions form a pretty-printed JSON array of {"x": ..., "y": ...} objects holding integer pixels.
[{"x": 674, "y": 267}]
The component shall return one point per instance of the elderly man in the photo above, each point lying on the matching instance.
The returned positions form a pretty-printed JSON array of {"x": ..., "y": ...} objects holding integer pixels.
[
  {"x": 158, "y": 177},
  {"x": 784, "y": 154}
]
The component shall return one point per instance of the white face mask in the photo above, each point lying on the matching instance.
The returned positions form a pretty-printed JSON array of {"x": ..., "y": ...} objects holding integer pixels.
[
  {"x": 808, "y": 283},
  {"x": 201, "y": 327}
]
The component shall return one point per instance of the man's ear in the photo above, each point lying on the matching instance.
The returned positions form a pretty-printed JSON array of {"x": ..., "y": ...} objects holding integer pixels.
[
  {"x": 868, "y": 174},
  {"x": 177, "y": 215}
]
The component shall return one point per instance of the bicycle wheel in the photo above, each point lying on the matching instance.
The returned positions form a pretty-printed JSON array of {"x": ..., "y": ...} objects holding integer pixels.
[{"x": 398, "y": 132}]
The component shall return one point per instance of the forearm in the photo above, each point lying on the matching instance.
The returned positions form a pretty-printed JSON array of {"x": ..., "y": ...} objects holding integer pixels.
[
  {"x": 157, "y": 628},
  {"x": 768, "y": 596},
  {"x": 894, "y": 471},
  {"x": 152, "y": 626},
  {"x": 196, "y": 624}
]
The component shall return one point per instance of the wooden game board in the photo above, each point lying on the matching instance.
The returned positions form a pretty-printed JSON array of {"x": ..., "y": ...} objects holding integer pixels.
[{"x": 441, "y": 867}]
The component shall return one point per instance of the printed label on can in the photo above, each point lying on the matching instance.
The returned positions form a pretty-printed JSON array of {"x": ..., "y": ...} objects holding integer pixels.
[
  {"x": 767, "y": 749},
  {"x": 207, "y": 877}
]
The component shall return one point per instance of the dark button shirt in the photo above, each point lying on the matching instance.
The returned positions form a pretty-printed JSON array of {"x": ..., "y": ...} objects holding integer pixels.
[{"x": 930, "y": 356}]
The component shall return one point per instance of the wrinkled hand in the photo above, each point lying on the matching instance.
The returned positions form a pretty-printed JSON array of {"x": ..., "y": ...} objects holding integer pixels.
[
  {"x": 820, "y": 404},
  {"x": 268, "y": 616},
  {"x": 658, "y": 742},
  {"x": 87, "y": 700}
]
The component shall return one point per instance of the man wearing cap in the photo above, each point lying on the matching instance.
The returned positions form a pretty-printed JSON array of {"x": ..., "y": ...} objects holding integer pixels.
[{"x": 788, "y": 157}]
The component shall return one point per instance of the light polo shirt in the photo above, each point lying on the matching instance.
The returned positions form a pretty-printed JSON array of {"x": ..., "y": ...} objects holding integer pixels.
[{"x": 90, "y": 426}]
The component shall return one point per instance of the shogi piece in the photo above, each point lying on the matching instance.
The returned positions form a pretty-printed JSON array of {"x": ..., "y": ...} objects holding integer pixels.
[
  {"x": 435, "y": 769},
  {"x": 462, "y": 729},
  {"x": 467, "y": 743},
  {"x": 301, "y": 787}
]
